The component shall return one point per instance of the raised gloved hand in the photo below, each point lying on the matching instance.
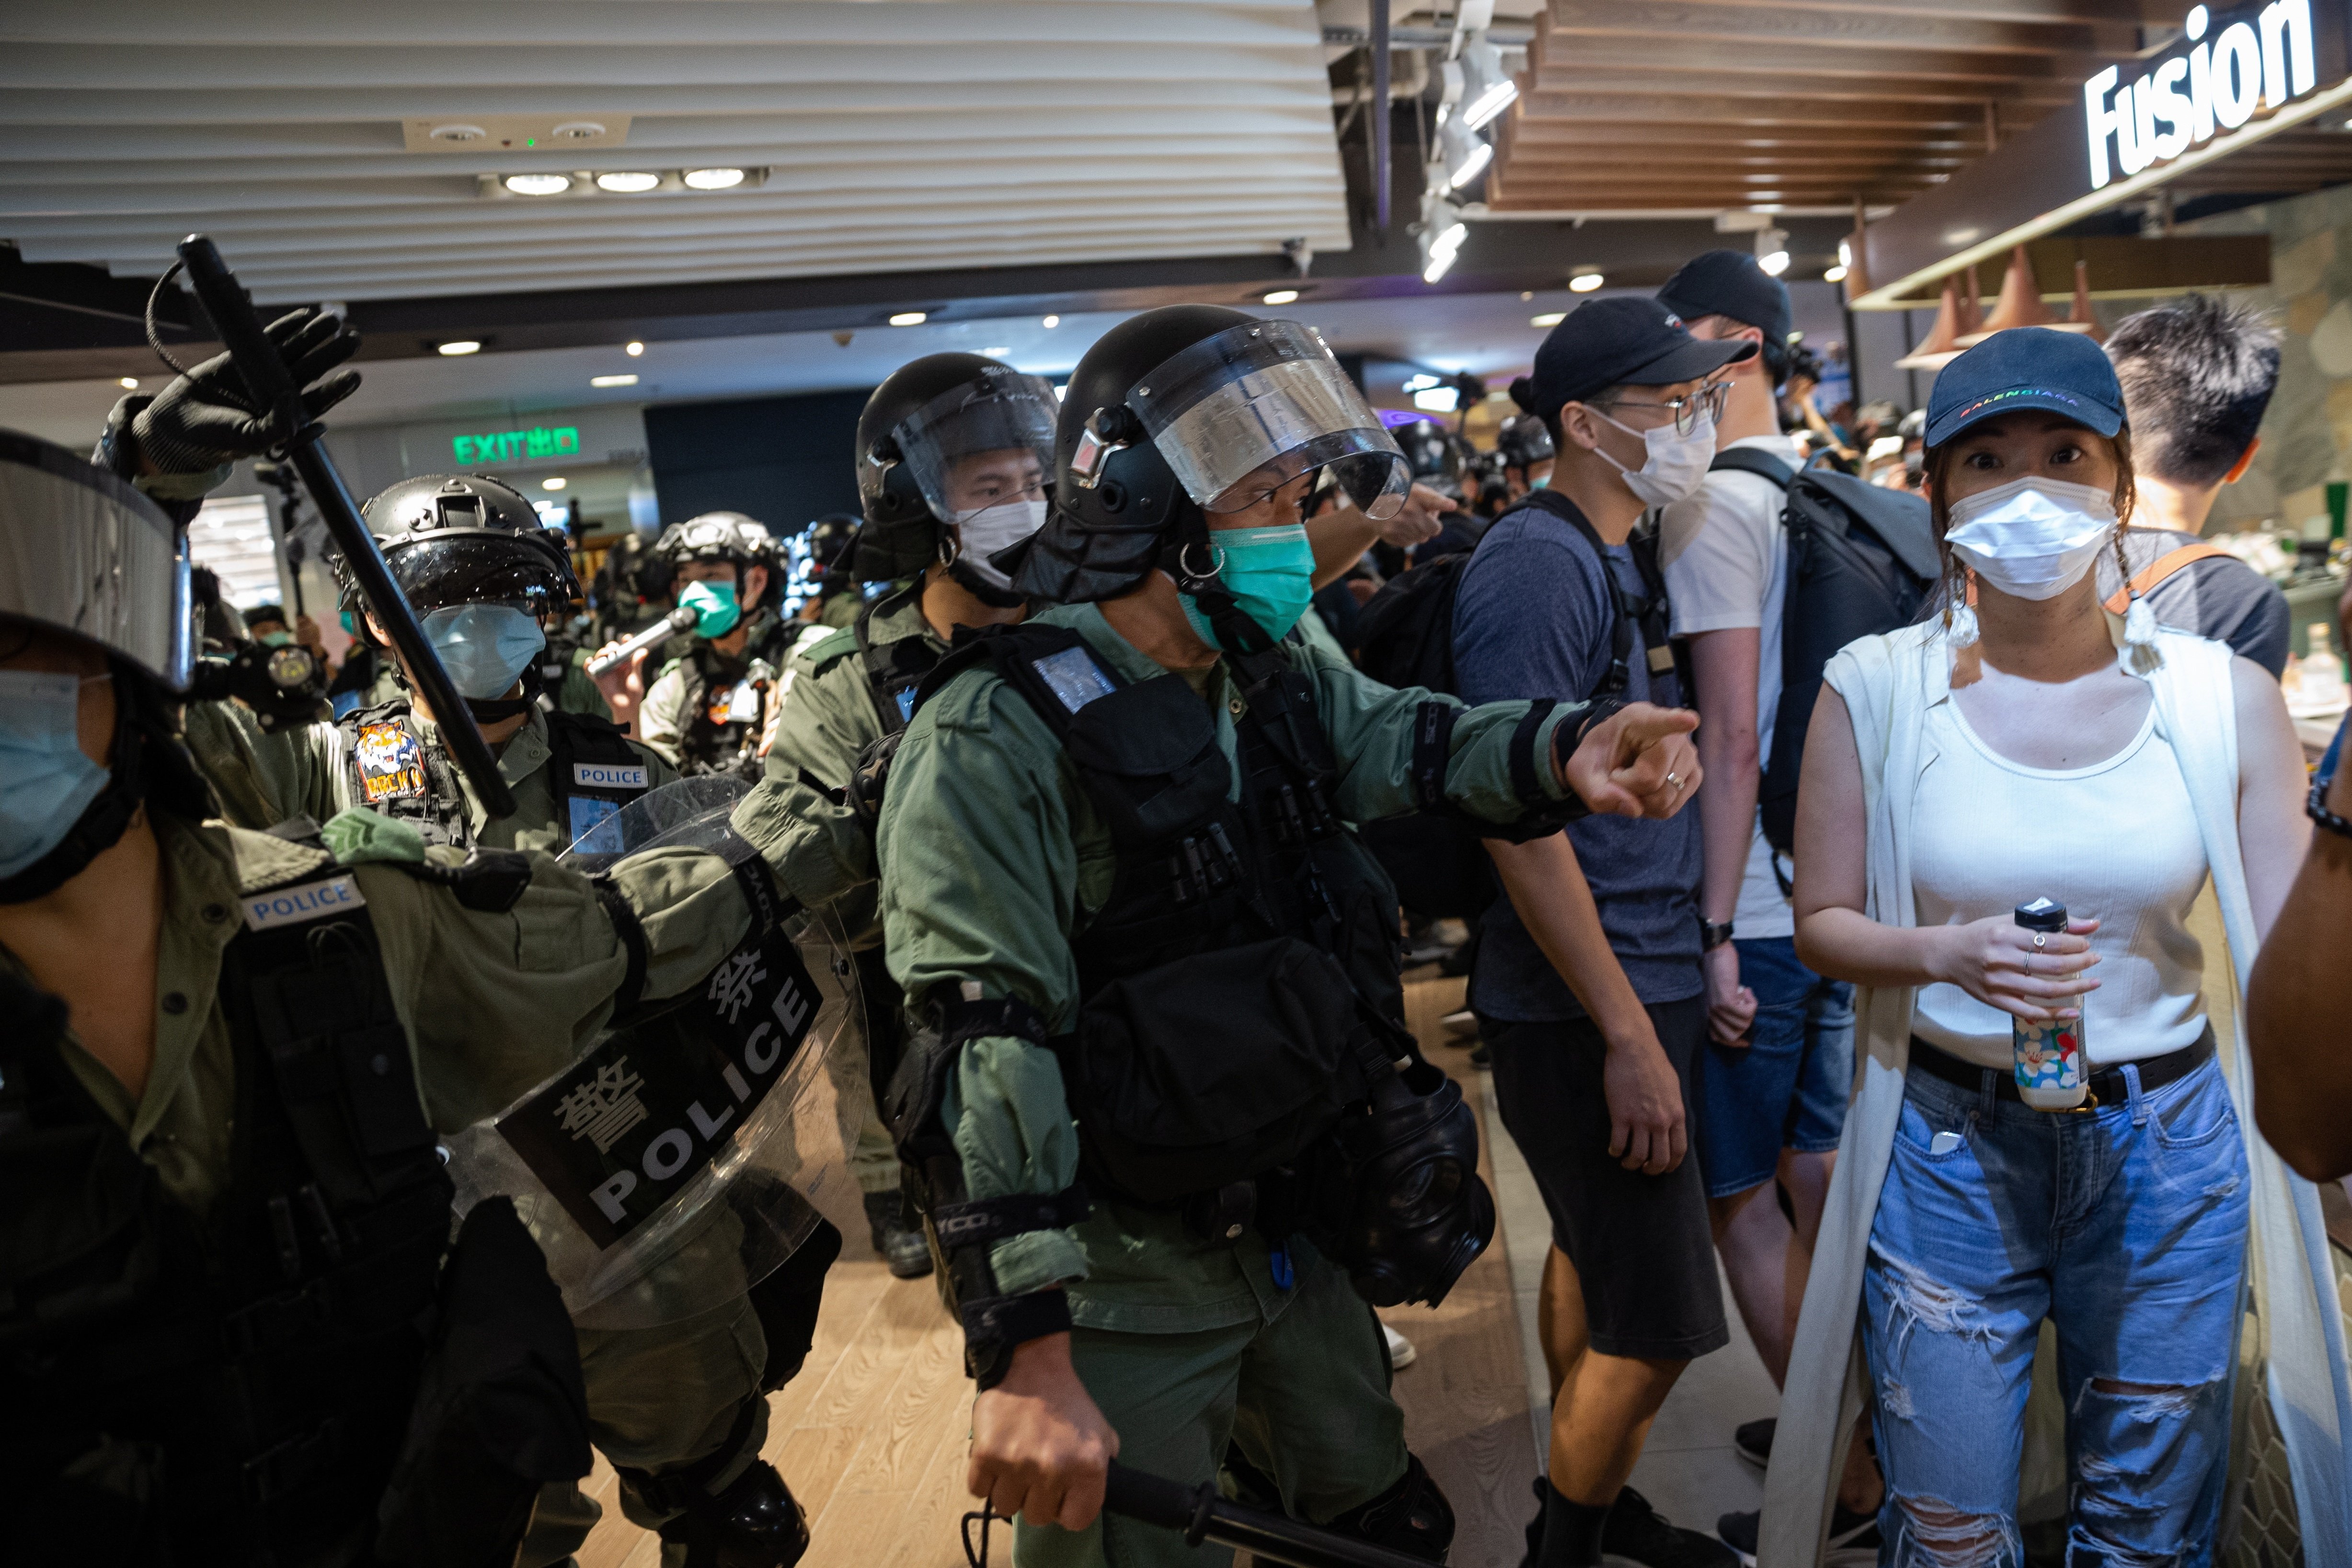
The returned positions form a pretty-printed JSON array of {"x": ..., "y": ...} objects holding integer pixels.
[{"x": 207, "y": 416}]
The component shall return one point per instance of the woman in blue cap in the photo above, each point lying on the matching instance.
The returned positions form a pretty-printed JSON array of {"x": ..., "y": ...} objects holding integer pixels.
[{"x": 2043, "y": 1127}]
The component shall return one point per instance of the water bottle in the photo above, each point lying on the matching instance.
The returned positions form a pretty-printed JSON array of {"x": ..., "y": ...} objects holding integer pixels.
[{"x": 2050, "y": 1071}]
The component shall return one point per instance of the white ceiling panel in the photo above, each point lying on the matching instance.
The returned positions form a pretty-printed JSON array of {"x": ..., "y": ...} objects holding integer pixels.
[{"x": 885, "y": 136}]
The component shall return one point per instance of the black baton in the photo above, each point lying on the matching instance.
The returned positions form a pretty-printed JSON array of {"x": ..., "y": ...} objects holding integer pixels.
[
  {"x": 1203, "y": 1515},
  {"x": 265, "y": 375}
]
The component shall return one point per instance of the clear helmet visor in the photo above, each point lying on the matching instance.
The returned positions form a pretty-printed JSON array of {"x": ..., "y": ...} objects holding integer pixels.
[
  {"x": 1241, "y": 414},
  {"x": 985, "y": 443},
  {"x": 84, "y": 553}
]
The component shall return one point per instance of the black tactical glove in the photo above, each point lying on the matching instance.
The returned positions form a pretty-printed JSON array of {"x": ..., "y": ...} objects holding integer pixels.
[{"x": 207, "y": 417}]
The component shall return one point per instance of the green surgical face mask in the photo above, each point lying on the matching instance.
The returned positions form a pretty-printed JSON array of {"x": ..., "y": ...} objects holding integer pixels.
[
  {"x": 714, "y": 606},
  {"x": 276, "y": 638},
  {"x": 1270, "y": 572}
]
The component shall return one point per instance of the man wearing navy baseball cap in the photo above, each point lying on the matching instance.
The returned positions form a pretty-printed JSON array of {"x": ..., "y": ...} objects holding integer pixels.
[{"x": 1586, "y": 983}]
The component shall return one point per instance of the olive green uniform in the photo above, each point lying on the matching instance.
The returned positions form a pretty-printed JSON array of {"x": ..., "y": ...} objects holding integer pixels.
[
  {"x": 826, "y": 720},
  {"x": 658, "y": 1397},
  {"x": 994, "y": 860},
  {"x": 493, "y": 1003},
  {"x": 263, "y": 778}
]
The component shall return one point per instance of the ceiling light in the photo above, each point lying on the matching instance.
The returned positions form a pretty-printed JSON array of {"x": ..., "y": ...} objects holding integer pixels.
[
  {"x": 996, "y": 353},
  {"x": 1051, "y": 322},
  {"x": 1281, "y": 296},
  {"x": 458, "y": 133},
  {"x": 555, "y": 484},
  {"x": 1549, "y": 318},
  {"x": 1441, "y": 234},
  {"x": 625, "y": 380},
  {"x": 1486, "y": 89},
  {"x": 576, "y": 131},
  {"x": 713, "y": 179},
  {"x": 627, "y": 182},
  {"x": 538, "y": 184},
  {"x": 1845, "y": 252},
  {"x": 910, "y": 318},
  {"x": 1422, "y": 381},
  {"x": 1438, "y": 400},
  {"x": 1463, "y": 153},
  {"x": 635, "y": 349},
  {"x": 1835, "y": 274},
  {"x": 1584, "y": 282},
  {"x": 1774, "y": 263},
  {"x": 460, "y": 346},
  {"x": 132, "y": 382}
]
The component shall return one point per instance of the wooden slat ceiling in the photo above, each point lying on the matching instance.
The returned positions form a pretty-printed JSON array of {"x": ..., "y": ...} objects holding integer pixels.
[
  {"x": 896, "y": 135},
  {"x": 1634, "y": 105}
]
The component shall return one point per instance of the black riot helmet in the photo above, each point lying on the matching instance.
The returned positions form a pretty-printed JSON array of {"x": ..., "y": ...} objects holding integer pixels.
[
  {"x": 920, "y": 424},
  {"x": 1523, "y": 441},
  {"x": 1438, "y": 457},
  {"x": 830, "y": 537},
  {"x": 731, "y": 537},
  {"x": 1184, "y": 411},
  {"x": 462, "y": 539}
]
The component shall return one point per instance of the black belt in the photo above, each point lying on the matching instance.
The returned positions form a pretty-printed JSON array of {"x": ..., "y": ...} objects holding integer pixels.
[{"x": 2107, "y": 1085}]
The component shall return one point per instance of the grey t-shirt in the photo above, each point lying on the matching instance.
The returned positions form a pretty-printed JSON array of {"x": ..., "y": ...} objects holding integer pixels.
[
  {"x": 2219, "y": 596},
  {"x": 1533, "y": 617}
]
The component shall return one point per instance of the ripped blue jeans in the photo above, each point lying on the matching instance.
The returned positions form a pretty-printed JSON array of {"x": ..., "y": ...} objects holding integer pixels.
[{"x": 2126, "y": 1228}]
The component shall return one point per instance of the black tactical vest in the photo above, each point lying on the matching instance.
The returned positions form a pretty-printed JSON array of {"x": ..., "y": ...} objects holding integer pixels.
[
  {"x": 729, "y": 701},
  {"x": 591, "y": 770},
  {"x": 894, "y": 671},
  {"x": 234, "y": 1387},
  {"x": 1248, "y": 949}
]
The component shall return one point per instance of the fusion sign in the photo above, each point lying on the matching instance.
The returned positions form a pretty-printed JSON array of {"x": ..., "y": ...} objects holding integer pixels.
[
  {"x": 2256, "y": 59},
  {"x": 537, "y": 443}
]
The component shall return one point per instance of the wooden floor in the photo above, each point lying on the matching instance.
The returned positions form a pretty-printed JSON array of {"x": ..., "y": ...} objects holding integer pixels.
[{"x": 871, "y": 1436}]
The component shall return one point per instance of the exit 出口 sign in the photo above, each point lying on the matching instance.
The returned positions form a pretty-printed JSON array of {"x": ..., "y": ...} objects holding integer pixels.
[{"x": 537, "y": 444}]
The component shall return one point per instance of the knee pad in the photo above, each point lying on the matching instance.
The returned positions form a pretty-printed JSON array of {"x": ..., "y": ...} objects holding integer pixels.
[
  {"x": 1411, "y": 1517},
  {"x": 754, "y": 1523}
]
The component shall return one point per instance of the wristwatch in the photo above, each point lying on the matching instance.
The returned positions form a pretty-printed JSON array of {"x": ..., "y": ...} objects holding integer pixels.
[{"x": 1712, "y": 934}]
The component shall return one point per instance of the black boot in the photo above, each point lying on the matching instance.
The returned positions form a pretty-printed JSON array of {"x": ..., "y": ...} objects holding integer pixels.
[
  {"x": 1411, "y": 1517},
  {"x": 905, "y": 1250},
  {"x": 755, "y": 1523}
]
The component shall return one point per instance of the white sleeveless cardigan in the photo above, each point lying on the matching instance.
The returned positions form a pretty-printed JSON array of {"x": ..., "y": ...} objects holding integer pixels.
[{"x": 1889, "y": 683}]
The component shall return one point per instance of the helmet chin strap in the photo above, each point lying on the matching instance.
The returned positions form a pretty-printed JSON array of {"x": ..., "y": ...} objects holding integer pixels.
[
  {"x": 1189, "y": 547},
  {"x": 951, "y": 557}
]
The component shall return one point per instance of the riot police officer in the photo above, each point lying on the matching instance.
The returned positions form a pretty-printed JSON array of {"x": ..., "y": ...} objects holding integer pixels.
[
  {"x": 1154, "y": 966},
  {"x": 1526, "y": 448},
  {"x": 707, "y": 711},
  {"x": 469, "y": 554},
  {"x": 233, "y": 1327},
  {"x": 830, "y": 541},
  {"x": 952, "y": 457}
]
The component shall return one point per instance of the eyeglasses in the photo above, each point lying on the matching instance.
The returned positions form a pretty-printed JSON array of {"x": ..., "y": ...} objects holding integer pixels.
[{"x": 1708, "y": 400}]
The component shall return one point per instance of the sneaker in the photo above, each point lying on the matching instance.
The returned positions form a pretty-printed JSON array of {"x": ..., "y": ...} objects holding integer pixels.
[
  {"x": 906, "y": 1252},
  {"x": 1638, "y": 1534},
  {"x": 1754, "y": 1440},
  {"x": 1400, "y": 1350},
  {"x": 1853, "y": 1538}
]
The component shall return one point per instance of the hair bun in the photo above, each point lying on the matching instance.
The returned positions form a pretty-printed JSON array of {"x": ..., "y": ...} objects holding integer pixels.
[{"x": 1522, "y": 393}]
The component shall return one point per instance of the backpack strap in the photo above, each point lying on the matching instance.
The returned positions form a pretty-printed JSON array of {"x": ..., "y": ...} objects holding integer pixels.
[
  {"x": 1747, "y": 460},
  {"x": 892, "y": 670},
  {"x": 2159, "y": 569},
  {"x": 1629, "y": 608}
]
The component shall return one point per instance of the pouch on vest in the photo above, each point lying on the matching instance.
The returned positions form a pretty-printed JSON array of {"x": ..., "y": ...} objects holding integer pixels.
[{"x": 1213, "y": 1069}]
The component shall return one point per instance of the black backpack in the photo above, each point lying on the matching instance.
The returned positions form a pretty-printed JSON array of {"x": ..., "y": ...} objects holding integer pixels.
[{"x": 1862, "y": 561}]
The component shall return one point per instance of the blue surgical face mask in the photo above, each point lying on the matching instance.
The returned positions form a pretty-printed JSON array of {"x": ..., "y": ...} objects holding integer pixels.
[
  {"x": 484, "y": 647},
  {"x": 45, "y": 782},
  {"x": 1270, "y": 572},
  {"x": 714, "y": 604}
]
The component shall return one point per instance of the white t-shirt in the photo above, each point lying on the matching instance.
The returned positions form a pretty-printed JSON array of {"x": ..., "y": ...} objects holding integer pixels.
[{"x": 1726, "y": 558}]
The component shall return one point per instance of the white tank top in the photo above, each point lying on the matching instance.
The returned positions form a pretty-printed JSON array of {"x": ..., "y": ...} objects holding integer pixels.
[{"x": 2116, "y": 841}]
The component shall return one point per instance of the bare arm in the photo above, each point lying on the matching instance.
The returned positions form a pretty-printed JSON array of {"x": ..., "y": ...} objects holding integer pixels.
[
  {"x": 1548, "y": 889},
  {"x": 1992, "y": 959},
  {"x": 1723, "y": 667},
  {"x": 2273, "y": 831},
  {"x": 2297, "y": 1000}
]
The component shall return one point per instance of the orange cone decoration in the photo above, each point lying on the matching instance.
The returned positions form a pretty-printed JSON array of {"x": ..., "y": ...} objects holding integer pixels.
[
  {"x": 2020, "y": 304},
  {"x": 2079, "y": 312},
  {"x": 1942, "y": 344},
  {"x": 1972, "y": 303}
]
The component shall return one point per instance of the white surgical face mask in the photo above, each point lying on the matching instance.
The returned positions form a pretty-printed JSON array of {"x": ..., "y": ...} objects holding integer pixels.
[
  {"x": 2032, "y": 538},
  {"x": 1677, "y": 464},
  {"x": 983, "y": 531}
]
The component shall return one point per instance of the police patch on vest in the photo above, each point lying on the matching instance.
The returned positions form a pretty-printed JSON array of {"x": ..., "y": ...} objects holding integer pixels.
[
  {"x": 1073, "y": 676},
  {"x": 610, "y": 774},
  {"x": 292, "y": 905},
  {"x": 391, "y": 765},
  {"x": 647, "y": 1111}
]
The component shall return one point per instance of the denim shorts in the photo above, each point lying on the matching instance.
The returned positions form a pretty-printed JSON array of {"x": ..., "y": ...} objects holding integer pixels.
[
  {"x": 2126, "y": 1228},
  {"x": 1787, "y": 1088}
]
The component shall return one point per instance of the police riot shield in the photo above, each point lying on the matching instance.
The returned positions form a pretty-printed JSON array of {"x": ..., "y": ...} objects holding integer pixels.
[{"x": 693, "y": 1146}]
